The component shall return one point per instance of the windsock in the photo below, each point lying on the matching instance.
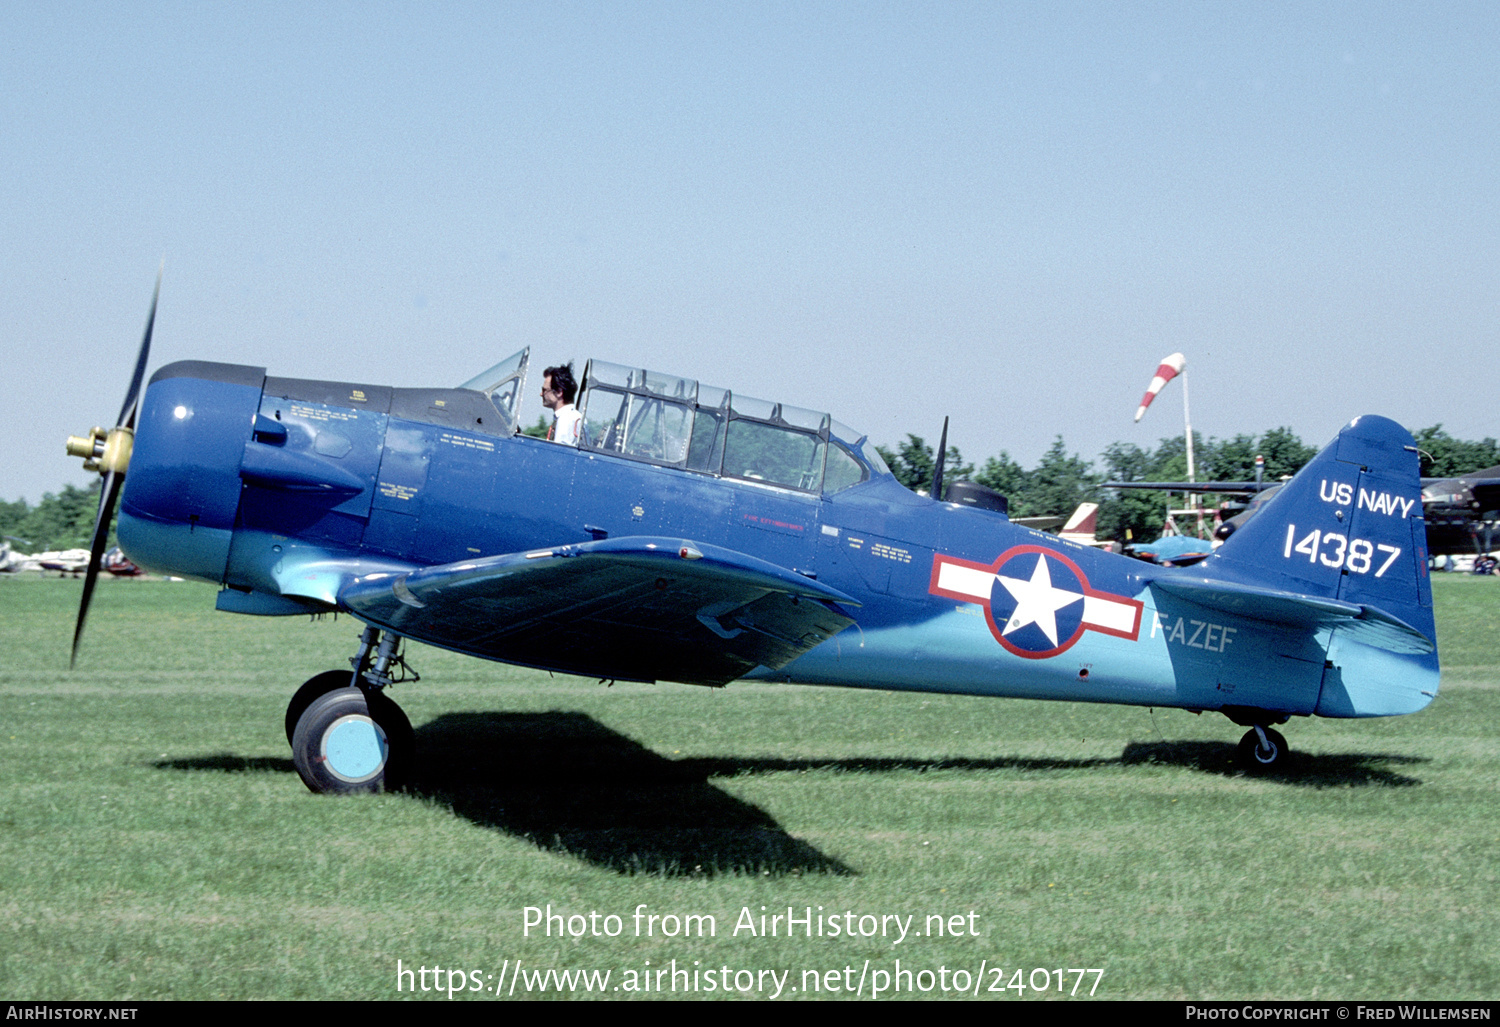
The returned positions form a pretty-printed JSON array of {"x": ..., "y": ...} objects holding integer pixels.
[{"x": 1170, "y": 368}]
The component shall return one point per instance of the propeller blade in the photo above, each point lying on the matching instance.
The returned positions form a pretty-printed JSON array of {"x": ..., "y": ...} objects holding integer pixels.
[
  {"x": 108, "y": 495},
  {"x": 133, "y": 394}
]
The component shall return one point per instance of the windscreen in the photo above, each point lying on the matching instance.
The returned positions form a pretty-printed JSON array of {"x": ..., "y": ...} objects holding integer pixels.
[{"x": 503, "y": 384}]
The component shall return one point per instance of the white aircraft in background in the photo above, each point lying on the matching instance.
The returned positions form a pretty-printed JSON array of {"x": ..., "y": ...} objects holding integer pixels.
[{"x": 1080, "y": 527}]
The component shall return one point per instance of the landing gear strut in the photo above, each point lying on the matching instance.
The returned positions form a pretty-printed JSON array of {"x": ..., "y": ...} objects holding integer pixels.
[
  {"x": 1261, "y": 749},
  {"x": 347, "y": 735}
]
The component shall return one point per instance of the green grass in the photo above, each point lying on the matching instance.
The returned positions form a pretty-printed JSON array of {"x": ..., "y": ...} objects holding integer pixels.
[{"x": 155, "y": 841}]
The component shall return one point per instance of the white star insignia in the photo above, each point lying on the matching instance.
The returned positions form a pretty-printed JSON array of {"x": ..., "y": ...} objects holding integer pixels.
[{"x": 1037, "y": 602}]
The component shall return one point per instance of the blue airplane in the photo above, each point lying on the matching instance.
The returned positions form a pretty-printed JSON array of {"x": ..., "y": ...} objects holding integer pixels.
[{"x": 700, "y": 536}]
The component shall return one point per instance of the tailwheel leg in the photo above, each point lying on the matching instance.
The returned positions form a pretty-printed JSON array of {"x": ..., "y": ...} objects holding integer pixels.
[
  {"x": 1262, "y": 749},
  {"x": 347, "y": 735}
]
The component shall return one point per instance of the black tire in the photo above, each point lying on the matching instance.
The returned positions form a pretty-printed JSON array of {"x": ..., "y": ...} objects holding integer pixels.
[
  {"x": 403, "y": 739},
  {"x": 313, "y": 689},
  {"x": 1252, "y": 756},
  {"x": 347, "y": 744}
]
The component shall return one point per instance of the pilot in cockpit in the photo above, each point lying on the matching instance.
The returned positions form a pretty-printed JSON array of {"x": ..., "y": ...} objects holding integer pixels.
[{"x": 558, "y": 392}]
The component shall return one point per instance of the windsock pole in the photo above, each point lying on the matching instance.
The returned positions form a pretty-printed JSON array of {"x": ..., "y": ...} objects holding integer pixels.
[
  {"x": 1172, "y": 367},
  {"x": 1194, "y": 501},
  {"x": 1187, "y": 426}
]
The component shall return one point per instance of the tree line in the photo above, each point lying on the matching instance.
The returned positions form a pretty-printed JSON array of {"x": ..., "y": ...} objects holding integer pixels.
[
  {"x": 1055, "y": 486},
  {"x": 1061, "y": 480},
  {"x": 64, "y": 520}
]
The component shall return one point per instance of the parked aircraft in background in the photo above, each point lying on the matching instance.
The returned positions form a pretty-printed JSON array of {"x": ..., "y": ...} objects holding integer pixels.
[
  {"x": 118, "y": 564},
  {"x": 63, "y": 561},
  {"x": 1079, "y": 527},
  {"x": 701, "y": 536},
  {"x": 1173, "y": 550},
  {"x": 1462, "y": 514},
  {"x": 10, "y": 560},
  {"x": 1083, "y": 526}
]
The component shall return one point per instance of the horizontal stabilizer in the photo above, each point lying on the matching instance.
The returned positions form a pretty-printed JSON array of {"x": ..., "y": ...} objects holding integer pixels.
[
  {"x": 1361, "y": 623},
  {"x": 629, "y": 608}
]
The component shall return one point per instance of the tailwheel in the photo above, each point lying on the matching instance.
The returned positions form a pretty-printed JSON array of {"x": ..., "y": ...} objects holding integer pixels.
[
  {"x": 349, "y": 742},
  {"x": 1262, "y": 749}
]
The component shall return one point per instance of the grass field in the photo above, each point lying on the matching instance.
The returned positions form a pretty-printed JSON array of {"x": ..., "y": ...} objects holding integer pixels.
[{"x": 155, "y": 841}]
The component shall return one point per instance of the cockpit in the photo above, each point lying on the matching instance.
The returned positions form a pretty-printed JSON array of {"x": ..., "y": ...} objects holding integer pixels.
[{"x": 676, "y": 422}]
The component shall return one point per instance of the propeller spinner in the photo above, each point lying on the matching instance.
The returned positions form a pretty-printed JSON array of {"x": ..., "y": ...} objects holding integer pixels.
[{"x": 108, "y": 452}]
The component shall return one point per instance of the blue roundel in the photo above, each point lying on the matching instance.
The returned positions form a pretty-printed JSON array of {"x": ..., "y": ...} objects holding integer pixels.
[{"x": 1036, "y": 603}]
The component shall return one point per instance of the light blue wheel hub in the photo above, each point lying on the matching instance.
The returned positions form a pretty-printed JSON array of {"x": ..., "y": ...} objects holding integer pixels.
[{"x": 355, "y": 748}]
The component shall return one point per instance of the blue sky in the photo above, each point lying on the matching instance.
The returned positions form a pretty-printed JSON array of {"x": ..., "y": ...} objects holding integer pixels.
[{"x": 1007, "y": 213}]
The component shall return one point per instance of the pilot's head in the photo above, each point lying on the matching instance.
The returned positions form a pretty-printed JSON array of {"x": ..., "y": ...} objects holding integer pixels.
[{"x": 558, "y": 386}]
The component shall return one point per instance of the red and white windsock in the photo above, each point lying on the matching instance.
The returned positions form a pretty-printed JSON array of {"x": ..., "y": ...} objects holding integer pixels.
[{"x": 1170, "y": 368}]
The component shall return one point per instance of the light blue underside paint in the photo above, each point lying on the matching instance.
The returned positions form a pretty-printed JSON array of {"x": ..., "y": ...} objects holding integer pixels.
[
  {"x": 957, "y": 653},
  {"x": 1367, "y": 682},
  {"x": 1265, "y": 665},
  {"x": 174, "y": 548}
]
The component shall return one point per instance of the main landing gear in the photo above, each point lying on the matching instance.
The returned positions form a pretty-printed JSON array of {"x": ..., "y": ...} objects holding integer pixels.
[{"x": 347, "y": 735}]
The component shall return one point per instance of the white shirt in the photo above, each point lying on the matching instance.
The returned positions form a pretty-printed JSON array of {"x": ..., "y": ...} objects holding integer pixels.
[{"x": 567, "y": 425}]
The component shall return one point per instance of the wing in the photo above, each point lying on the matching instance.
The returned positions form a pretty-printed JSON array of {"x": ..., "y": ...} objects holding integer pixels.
[
  {"x": 640, "y": 608},
  {"x": 1039, "y": 523},
  {"x": 1195, "y": 486}
]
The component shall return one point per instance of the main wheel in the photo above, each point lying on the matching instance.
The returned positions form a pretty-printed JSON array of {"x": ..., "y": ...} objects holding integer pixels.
[
  {"x": 1252, "y": 755},
  {"x": 312, "y": 689},
  {"x": 346, "y": 743}
]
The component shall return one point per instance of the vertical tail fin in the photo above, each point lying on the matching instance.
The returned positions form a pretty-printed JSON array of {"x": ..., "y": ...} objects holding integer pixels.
[
  {"x": 1083, "y": 525},
  {"x": 1350, "y": 527}
]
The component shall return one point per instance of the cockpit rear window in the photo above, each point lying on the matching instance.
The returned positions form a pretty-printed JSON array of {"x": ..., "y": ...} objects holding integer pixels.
[
  {"x": 670, "y": 421},
  {"x": 757, "y": 451},
  {"x": 843, "y": 471}
]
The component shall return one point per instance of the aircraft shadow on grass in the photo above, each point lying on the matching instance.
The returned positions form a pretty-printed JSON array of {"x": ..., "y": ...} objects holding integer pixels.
[
  {"x": 1334, "y": 770},
  {"x": 570, "y": 785},
  {"x": 1339, "y": 770}
]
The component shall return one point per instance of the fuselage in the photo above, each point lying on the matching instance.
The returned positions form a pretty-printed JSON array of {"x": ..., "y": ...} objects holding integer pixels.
[{"x": 283, "y": 491}]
